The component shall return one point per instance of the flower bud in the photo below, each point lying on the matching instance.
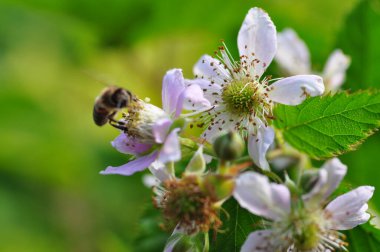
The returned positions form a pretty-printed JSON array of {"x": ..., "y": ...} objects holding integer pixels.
[{"x": 229, "y": 146}]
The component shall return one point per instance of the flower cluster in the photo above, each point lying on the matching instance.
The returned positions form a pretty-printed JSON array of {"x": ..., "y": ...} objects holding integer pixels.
[{"x": 233, "y": 102}]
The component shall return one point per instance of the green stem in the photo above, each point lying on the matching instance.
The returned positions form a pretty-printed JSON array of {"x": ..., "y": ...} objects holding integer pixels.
[
  {"x": 223, "y": 167},
  {"x": 206, "y": 247}
]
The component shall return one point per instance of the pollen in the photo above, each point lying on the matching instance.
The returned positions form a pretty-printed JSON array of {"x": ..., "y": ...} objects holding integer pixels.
[{"x": 241, "y": 97}]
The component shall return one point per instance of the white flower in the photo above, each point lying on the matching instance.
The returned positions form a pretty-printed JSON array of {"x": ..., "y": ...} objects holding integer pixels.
[
  {"x": 294, "y": 58},
  {"x": 303, "y": 225},
  {"x": 242, "y": 98}
]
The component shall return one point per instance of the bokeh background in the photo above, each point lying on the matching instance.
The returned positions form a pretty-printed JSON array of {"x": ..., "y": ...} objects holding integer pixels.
[{"x": 55, "y": 57}]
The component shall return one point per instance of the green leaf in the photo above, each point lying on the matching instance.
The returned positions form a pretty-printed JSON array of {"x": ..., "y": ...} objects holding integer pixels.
[
  {"x": 327, "y": 126},
  {"x": 151, "y": 237},
  {"x": 236, "y": 227},
  {"x": 364, "y": 238},
  {"x": 360, "y": 39}
]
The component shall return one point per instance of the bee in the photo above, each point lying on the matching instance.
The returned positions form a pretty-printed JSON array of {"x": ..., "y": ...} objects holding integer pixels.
[{"x": 108, "y": 103}]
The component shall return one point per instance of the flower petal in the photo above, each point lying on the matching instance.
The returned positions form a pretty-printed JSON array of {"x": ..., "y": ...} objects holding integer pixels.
[
  {"x": 257, "y": 36},
  {"x": 172, "y": 86},
  {"x": 150, "y": 181},
  {"x": 330, "y": 176},
  {"x": 211, "y": 69},
  {"x": 292, "y": 53},
  {"x": 161, "y": 129},
  {"x": 209, "y": 90},
  {"x": 334, "y": 72},
  {"x": 294, "y": 90},
  {"x": 254, "y": 192},
  {"x": 192, "y": 99},
  {"x": 258, "y": 241},
  {"x": 128, "y": 145},
  {"x": 131, "y": 167},
  {"x": 258, "y": 145},
  {"x": 175, "y": 237},
  {"x": 160, "y": 171},
  {"x": 171, "y": 149},
  {"x": 223, "y": 122},
  {"x": 349, "y": 209}
]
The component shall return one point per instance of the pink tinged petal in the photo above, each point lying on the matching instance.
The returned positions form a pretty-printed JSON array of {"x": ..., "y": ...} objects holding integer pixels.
[
  {"x": 160, "y": 171},
  {"x": 161, "y": 129},
  {"x": 131, "y": 167},
  {"x": 335, "y": 69},
  {"x": 254, "y": 192},
  {"x": 172, "y": 86},
  {"x": 294, "y": 90},
  {"x": 258, "y": 35},
  {"x": 211, "y": 69},
  {"x": 349, "y": 209},
  {"x": 292, "y": 53},
  {"x": 128, "y": 145},
  {"x": 212, "y": 92},
  {"x": 330, "y": 176},
  {"x": 259, "y": 241},
  {"x": 171, "y": 149},
  {"x": 258, "y": 145},
  {"x": 192, "y": 99}
]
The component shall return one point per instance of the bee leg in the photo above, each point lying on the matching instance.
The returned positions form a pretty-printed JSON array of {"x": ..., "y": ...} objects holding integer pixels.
[{"x": 118, "y": 125}]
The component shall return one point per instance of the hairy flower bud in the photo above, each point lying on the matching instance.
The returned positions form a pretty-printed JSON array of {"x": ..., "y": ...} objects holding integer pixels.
[{"x": 229, "y": 146}]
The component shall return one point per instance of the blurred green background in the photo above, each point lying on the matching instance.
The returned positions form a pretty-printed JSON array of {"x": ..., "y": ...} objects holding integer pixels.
[{"x": 55, "y": 57}]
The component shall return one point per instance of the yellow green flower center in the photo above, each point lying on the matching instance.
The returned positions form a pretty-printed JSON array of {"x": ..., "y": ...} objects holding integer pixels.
[{"x": 241, "y": 97}]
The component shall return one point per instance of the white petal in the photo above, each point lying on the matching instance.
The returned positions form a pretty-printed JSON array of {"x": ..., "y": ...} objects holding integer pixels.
[
  {"x": 292, "y": 53},
  {"x": 150, "y": 181},
  {"x": 160, "y": 171},
  {"x": 330, "y": 176},
  {"x": 258, "y": 241},
  {"x": 175, "y": 237},
  {"x": 348, "y": 210},
  {"x": 254, "y": 192},
  {"x": 211, "y": 69},
  {"x": 258, "y": 35},
  {"x": 192, "y": 99},
  {"x": 173, "y": 85},
  {"x": 223, "y": 122},
  {"x": 212, "y": 92},
  {"x": 294, "y": 90},
  {"x": 334, "y": 72},
  {"x": 259, "y": 144}
]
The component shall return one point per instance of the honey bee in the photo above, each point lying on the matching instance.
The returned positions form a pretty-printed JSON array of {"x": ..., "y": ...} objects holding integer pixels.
[{"x": 108, "y": 103}]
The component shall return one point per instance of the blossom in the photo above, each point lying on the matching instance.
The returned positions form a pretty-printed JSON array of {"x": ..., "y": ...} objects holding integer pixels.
[
  {"x": 304, "y": 224},
  {"x": 242, "y": 99},
  {"x": 152, "y": 132},
  {"x": 294, "y": 58}
]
